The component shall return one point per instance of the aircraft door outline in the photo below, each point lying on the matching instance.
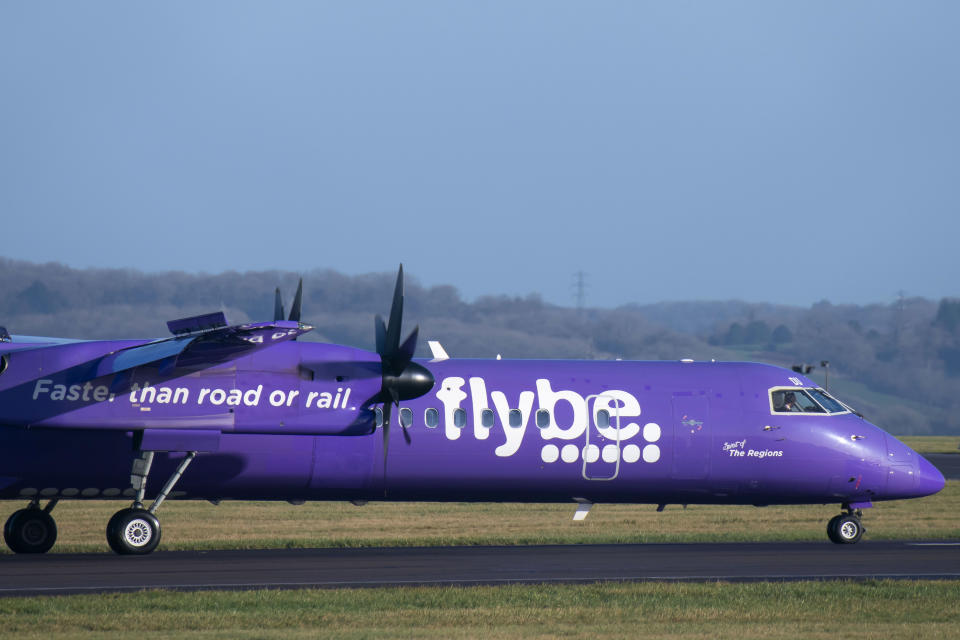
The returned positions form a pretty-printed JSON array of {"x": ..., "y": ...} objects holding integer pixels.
[{"x": 592, "y": 424}]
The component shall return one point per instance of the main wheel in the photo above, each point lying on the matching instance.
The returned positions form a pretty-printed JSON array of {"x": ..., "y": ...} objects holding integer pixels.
[
  {"x": 133, "y": 532},
  {"x": 844, "y": 529},
  {"x": 30, "y": 531}
]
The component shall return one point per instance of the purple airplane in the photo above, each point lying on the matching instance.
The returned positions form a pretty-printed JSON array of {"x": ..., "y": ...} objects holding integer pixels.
[{"x": 263, "y": 417}]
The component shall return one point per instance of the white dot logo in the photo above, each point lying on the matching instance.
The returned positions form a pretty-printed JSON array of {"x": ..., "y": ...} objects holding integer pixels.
[
  {"x": 611, "y": 453},
  {"x": 631, "y": 453},
  {"x": 651, "y": 453},
  {"x": 651, "y": 432},
  {"x": 591, "y": 453},
  {"x": 549, "y": 453}
]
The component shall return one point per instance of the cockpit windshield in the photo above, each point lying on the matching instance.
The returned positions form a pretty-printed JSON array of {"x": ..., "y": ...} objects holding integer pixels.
[
  {"x": 796, "y": 400},
  {"x": 827, "y": 402}
]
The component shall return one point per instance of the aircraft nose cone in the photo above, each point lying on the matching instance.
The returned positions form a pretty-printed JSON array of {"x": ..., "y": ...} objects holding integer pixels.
[
  {"x": 929, "y": 478},
  {"x": 910, "y": 475}
]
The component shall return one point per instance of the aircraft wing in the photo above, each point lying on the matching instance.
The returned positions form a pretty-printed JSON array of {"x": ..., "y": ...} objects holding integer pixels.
[{"x": 206, "y": 347}]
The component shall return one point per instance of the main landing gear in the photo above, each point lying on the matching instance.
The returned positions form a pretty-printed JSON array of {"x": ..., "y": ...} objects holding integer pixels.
[
  {"x": 31, "y": 530},
  {"x": 136, "y": 531},
  {"x": 846, "y": 528},
  {"x": 132, "y": 531}
]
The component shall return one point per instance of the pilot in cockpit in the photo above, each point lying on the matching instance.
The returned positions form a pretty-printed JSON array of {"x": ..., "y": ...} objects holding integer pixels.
[{"x": 785, "y": 401}]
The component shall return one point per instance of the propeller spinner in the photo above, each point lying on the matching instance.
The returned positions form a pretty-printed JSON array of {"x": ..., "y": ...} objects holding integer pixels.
[{"x": 403, "y": 379}]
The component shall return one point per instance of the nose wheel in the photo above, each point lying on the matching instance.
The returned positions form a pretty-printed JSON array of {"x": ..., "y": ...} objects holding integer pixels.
[
  {"x": 133, "y": 532},
  {"x": 136, "y": 531},
  {"x": 845, "y": 528}
]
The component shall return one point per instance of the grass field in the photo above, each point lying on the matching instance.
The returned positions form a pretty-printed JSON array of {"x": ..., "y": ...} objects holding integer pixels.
[
  {"x": 828, "y": 610},
  {"x": 245, "y": 525},
  {"x": 932, "y": 444}
]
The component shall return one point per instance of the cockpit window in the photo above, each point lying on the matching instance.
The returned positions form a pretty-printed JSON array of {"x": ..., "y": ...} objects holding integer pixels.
[
  {"x": 827, "y": 401},
  {"x": 794, "y": 401}
]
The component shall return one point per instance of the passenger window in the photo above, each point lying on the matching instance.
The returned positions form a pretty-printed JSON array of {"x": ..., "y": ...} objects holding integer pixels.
[
  {"x": 378, "y": 417},
  {"x": 515, "y": 418},
  {"x": 431, "y": 417},
  {"x": 603, "y": 419},
  {"x": 459, "y": 418},
  {"x": 486, "y": 418},
  {"x": 406, "y": 417},
  {"x": 543, "y": 418}
]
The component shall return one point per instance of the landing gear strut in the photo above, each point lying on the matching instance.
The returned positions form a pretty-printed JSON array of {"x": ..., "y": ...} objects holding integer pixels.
[
  {"x": 31, "y": 530},
  {"x": 136, "y": 531},
  {"x": 846, "y": 528}
]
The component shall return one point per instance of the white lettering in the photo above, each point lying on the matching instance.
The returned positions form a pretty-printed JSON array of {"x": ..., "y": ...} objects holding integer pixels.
[
  {"x": 626, "y": 406},
  {"x": 278, "y": 398},
  {"x": 451, "y": 395},
  {"x": 548, "y": 400},
  {"x": 478, "y": 395},
  {"x": 41, "y": 387},
  {"x": 252, "y": 397},
  {"x": 514, "y": 435}
]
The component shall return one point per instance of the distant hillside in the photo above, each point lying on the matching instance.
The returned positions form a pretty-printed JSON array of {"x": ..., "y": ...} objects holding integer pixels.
[{"x": 898, "y": 363}]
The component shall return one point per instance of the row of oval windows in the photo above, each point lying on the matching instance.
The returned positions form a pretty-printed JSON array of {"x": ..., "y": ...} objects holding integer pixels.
[{"x": 431, "y": 418}]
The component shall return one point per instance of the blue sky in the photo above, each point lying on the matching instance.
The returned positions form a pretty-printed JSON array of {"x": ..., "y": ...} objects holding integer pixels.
[{"x": 766, "y": 151}]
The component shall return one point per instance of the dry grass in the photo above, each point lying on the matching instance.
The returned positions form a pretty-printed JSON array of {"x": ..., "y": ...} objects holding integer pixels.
[
  {"x": 238, "y": 525},
  {"x": 233, "y": 525},
  {"x": 831, "y": 610},
  {"x": 932, "y": 444}
]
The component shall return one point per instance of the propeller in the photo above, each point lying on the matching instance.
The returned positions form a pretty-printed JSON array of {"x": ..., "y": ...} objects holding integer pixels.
[
  {"x": 297, "y": 301},
  {"x": 403, "y": 379},
  {"x": 278, "y": 306},
  {"x": 278, "y": 312}
]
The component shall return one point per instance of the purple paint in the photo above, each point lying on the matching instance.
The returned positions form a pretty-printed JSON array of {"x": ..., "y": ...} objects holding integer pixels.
[{"x": 280, "y": 420}]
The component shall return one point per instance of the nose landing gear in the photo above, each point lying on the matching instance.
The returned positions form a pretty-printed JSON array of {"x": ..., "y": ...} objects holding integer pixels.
[
  {"x": 846, "y": 528},
  {"x": 136, "y": 531},
  {"x": 133, "y": 532}
]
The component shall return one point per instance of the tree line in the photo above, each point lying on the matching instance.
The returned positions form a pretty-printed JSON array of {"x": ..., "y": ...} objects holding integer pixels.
[{"x": 898, "y": 363}]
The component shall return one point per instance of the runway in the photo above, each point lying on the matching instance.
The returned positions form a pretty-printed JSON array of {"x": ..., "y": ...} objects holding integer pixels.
[
  {"x": 947, "y": 463},
  {"x": 329, "y": 568}
]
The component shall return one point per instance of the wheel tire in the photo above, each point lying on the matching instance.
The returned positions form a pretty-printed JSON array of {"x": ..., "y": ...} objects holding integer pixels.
[
  {"x": 832, "y": 530},
  {"x": 133, "y": 532},
  {"x": 30, "y": 531},
  {"x": 845, "y": 529}
]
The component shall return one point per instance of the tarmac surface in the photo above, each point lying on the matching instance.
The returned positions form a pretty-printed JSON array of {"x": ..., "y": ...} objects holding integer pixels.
[
  {"x": 329, "y": 568},
  {"x": 947, "y": 463}
]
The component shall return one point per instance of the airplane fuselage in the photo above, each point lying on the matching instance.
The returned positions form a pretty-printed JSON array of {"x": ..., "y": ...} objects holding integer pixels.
[{"x": 299, "y": 421}]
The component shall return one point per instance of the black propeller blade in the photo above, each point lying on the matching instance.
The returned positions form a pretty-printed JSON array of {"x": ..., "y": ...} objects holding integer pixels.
[
  {"x": 278, "y": 312},
  {"x": 297, "y": 301},
  {"x": 403, "y": 379},
  {"x": 278, "y": 306}
]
